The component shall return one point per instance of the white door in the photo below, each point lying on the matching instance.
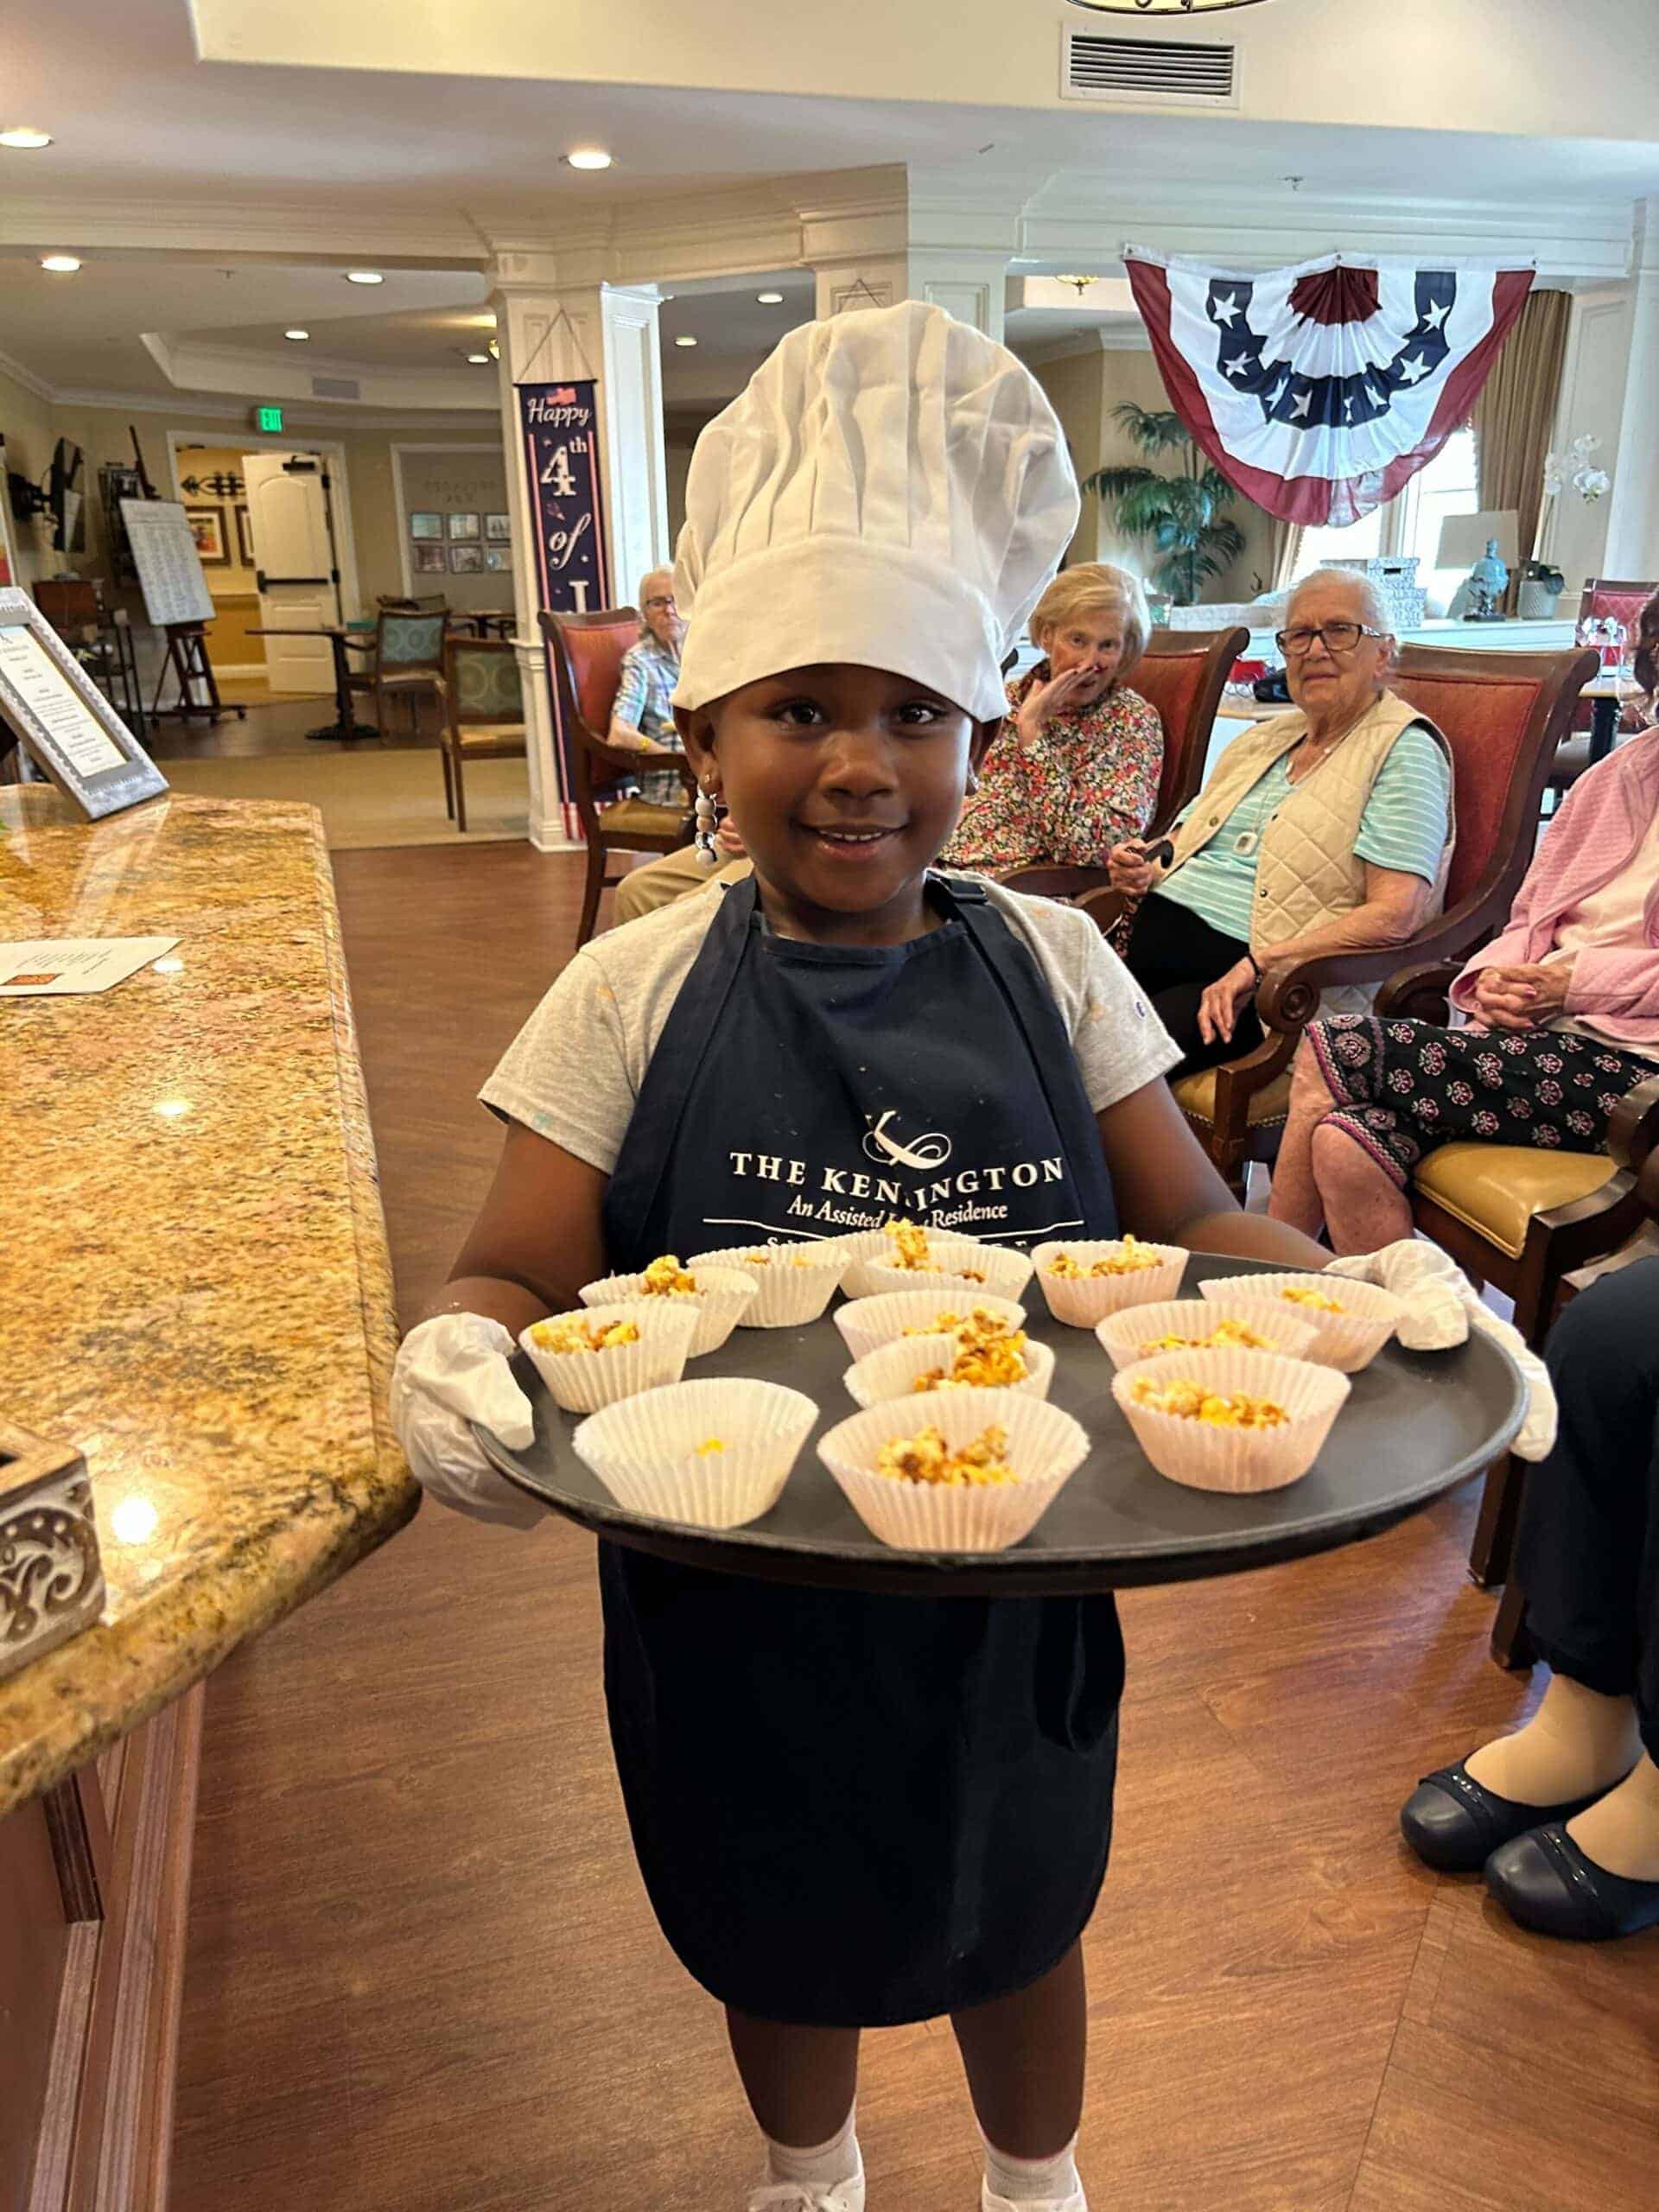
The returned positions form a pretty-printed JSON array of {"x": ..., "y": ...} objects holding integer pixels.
[{"x": 294, "y": 557}]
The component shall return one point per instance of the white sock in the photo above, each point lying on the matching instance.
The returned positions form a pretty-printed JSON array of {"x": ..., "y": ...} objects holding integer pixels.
[
  {"x": 1031, "y": 2181},
  {"x": 824, "y": 2164}
]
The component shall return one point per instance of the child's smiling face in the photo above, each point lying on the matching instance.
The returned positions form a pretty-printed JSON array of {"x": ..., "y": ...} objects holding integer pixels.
[{"x": 844, "y": 782}]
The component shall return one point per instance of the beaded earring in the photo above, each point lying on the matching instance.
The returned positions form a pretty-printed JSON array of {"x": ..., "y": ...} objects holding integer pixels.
[{"x": 707, "y": 817}]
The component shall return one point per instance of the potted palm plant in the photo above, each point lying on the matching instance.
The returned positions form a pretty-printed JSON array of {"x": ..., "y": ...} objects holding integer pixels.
[{"x": 1192, "y": 540}]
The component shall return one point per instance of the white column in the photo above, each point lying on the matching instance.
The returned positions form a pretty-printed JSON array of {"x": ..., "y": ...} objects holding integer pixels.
[
  {"x": 1632, "y": 547},
  {"x": 546, "y": 329}
]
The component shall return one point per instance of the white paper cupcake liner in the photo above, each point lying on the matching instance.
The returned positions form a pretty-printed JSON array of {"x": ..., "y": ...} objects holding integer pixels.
[
  {"x": 725, "y": 1295},
  {"x": 1081, "y": 1301},
  {"x": 1122, "y": 1335},
  {"x": 868, "y": 1323},
  {"x": 863, "y": 1247},
  {"x": 1004, "y": 1273},
  {"x": 582, "y": 1382},
  {"x": 895, "y": 1370},
  {"x": 1203, "y": 1457},
  {"x": 1045, "y": 1446},
  {"x": 1348, "y": 1340},
  {"x": 645, "y": 1449},
  {"x": 789, "y": 1295}
]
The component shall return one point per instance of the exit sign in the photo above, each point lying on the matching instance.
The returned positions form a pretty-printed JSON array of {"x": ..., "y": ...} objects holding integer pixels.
[{"x": 268, "y": 418}]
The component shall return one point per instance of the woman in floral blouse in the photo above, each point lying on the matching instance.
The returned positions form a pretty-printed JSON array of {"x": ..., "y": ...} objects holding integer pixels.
[{"x": 1076, "y": 770}]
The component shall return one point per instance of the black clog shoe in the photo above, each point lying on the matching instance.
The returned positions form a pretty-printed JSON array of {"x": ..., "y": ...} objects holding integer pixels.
[
  {"x": 1454, "y": 1825},
  {"x": 1544, "y": 1881}
]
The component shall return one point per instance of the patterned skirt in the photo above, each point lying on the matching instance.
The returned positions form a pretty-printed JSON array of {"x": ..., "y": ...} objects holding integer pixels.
[{"x": 1404, "y": 1087}]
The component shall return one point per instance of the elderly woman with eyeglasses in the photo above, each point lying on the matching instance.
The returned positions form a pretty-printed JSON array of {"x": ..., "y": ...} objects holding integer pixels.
[
  {"x": 1325, "y": 829},
  {"x": 642, "y": 718}
]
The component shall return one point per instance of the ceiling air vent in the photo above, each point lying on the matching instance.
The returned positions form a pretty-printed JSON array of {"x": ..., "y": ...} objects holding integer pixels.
[
  {"x": 1161, "y": 73},
  {"x": 336, "y": 388}
]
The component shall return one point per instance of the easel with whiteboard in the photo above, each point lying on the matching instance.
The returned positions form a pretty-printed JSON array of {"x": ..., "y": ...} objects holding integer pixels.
[
  {"x": 178, "y": 602},
  {"x": 63, "y": 721}
]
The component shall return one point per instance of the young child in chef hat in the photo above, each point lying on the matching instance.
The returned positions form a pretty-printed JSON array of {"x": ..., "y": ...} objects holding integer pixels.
[{"x": 850, "y": 1810}]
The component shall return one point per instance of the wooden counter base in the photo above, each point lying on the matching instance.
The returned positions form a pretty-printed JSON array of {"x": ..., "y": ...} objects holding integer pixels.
[{"x": 91, "y": 1971}]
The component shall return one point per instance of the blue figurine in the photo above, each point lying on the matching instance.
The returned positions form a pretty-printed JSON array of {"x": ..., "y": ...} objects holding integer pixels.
[{"x": 1488, "y": 582}]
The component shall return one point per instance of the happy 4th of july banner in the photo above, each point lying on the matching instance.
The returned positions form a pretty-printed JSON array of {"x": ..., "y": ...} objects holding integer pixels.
[{"x": 560, "y": 423}]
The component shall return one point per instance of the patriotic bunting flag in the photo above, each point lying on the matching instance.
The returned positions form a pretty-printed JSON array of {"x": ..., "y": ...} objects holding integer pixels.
[{"x": 1319, "y": 391}]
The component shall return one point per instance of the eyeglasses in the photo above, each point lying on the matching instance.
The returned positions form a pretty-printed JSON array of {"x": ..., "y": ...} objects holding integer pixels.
[
  {"x": 1336, "y": 637},
  {"x": 652, "y": 604}
]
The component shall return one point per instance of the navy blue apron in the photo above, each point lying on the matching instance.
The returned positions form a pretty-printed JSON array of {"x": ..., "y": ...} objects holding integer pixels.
[{"x": 858, "y": 1810}]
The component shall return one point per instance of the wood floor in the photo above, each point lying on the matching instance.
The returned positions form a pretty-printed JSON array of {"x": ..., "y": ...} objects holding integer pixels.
[{"x": 423, "y": 1976}]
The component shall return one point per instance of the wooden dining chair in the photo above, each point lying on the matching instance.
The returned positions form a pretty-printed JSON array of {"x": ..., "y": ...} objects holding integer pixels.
[
  {"x": 1183, "y": 674},
  {"x": 1502, "y": 715},
  {"x": 484, "y": 717},
  {"x": 407, "y": 663},
  {"x": 586, "y": 653}
]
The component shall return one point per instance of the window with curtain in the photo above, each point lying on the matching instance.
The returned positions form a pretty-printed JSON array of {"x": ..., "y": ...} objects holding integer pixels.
[{"x": 1409, "y": 523}]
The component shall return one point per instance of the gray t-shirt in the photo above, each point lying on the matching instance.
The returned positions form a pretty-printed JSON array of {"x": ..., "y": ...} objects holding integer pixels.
[{"x": 574, "y": 1071}]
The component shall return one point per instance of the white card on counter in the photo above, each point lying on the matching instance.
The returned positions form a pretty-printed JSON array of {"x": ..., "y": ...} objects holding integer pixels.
[{"x": 67, "y": 967}]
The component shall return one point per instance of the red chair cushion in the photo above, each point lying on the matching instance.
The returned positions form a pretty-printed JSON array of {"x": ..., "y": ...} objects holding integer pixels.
[
  {"x": 596, "y": 668},
  {"x": 1483, "y": 724},
  {"x": 1171, "y": 682}
]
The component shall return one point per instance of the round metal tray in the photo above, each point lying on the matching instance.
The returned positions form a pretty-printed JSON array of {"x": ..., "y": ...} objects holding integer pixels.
[{"x": 1417, "y": 1424}]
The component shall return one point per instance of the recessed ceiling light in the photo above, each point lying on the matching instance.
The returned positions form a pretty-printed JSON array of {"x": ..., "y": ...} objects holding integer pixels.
[
  {"x": 483, "y": 359},
  {"x": 770, "y": 299},
  {"x": 685, "y": 342},
  {"x": 60, "y": 264},
  {"x": 24, "y": 139},
  {"x": 586, "y": 157},
  {"x": 296, "y": 334},
  {"x": 363, "y": 276}
]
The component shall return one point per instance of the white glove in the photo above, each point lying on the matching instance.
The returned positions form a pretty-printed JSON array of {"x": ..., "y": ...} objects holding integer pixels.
[
  {"x": 1440, "y": 1305},
  {"x": 451, "y": 1370}
]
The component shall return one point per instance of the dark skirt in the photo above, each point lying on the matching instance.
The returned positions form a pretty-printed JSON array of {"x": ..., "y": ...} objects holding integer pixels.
[
  {"x": 853, "y": 1810},
  {"x": 1405, "y": 1087},
  {"x": 1587, "y": 1553}
]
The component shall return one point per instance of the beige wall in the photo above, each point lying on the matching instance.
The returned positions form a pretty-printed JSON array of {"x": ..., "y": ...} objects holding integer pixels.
[
  {"x": 27, "y": 425},
  {"x": 102, "y": 433},
  {"x": 1083, "y": 389},
  {"x": 470, "y": 478},
  {"x": 222, "y": 461}
]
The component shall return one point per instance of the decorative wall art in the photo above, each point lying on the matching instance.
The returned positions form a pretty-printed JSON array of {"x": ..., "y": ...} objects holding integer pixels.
[
  {"x": 208, "y": 528},
  {"x": 498, "y": 560},
  {"x": 426, "y": 524},
  {"x": 498, "y": 529},
  {"x": 465, "y": 560},
  {"x": 463, "y": 526},
  {"x": 244, "y": 537},
  {"x": 429, "y": 560}
]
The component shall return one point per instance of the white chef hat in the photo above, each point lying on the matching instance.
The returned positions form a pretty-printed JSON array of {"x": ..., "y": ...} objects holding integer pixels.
[{"x": 891, "y": 489}]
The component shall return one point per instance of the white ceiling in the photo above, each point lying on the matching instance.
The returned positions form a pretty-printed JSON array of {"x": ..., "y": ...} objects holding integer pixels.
[
  {"x": 138, "y": 121},
  {"x": 132, "y": 110}
]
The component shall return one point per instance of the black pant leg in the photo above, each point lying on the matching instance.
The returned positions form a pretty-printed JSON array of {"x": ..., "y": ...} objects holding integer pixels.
[
  {"x": 1175, "y": 956},
  {"x": 1587, "y": 1552}
]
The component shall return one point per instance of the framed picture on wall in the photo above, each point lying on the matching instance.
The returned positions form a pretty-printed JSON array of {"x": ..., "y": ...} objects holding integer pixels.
[
  {"x": 465, "y": 560},
  {"x": 426, "y": 523},
  {"x": 497, "y": 559},
  {"x": 244, "y": 537},
  {"x": 429, "y": 560},
  {"x": 463, "y": 525},
  {"x": 498, "y": 529},
  {"x": 208, "y": 528}
]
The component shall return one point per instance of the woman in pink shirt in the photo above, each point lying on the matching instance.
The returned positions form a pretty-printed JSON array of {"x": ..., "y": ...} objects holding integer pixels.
[{"x": 1562, "y": 1019}]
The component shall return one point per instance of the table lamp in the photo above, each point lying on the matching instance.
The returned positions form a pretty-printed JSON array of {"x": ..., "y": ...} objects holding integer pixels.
[{"x": 1488, "y": 545}]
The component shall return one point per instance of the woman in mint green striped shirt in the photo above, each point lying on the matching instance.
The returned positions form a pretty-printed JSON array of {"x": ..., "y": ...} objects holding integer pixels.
[{"x": 1190, "y": 945}]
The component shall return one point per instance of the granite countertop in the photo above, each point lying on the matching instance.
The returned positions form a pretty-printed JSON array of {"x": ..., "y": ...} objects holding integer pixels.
[{"x": 193, "y": 1277}]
